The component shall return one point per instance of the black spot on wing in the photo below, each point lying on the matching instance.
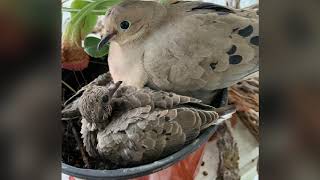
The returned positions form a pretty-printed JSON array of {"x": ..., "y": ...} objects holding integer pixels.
[
  {"x": 245, "y": 32},
  {"x": 255, "y": 40},
  {"x": 213, "y": 65},
  {"x": 211, "y": 6},
  {"x": 232, "y": 50},
  {"x": 235, "y": 59},
  {"x": 235, "y": 29},
  {"x": 155, "y": 131}
]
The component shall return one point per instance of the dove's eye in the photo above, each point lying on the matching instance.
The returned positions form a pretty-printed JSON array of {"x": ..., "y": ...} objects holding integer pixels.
[{"x": 124, "y": 25}]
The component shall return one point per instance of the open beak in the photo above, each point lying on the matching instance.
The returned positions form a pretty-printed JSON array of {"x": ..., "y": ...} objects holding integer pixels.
[
  {"x": 105, "y": 40},
  {"x": 114, "y": 88}
]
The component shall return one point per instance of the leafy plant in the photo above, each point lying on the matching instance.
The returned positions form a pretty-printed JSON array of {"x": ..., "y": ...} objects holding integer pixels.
[{"x": 84, "y": 15}]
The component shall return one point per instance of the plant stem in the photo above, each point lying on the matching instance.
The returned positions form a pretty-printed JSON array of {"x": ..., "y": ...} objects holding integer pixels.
[
  {"x": 96, "y": 62},
  {"x": 68, "y": 86},
  {"x": 82, "y": 0},
  {"x": 80, "y": 145},
  {"x": 75, "y": 75},
  {"x": 71, "y": 10}
]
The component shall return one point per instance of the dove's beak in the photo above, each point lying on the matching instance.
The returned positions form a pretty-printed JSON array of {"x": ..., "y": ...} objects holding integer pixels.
[
  {"x": 105, "y": 40},
  {"x": 114, "y": 88}
]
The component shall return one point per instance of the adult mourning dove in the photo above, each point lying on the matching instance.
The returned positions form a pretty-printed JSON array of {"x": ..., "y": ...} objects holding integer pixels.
[
  {"x": 133, "y": 126},
  {"x": 190, "y": 48}
]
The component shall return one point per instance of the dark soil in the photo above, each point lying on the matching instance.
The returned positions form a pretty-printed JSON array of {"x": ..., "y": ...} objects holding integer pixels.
[
  {"x": 76, "y": 79},
  {"x": 71, "y": 153}
]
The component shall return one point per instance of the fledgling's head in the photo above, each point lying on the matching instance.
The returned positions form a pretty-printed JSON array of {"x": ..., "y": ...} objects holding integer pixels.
[
  {"x": 94, "y": 104},
  {"x": 131, "y": 20}
]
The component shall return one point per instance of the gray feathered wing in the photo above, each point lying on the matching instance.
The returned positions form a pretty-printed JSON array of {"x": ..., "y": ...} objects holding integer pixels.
[
  {"x": 203, "y": 47},
  {"x": 148, "y": 136},
  {"x": 145, "y": 134}
]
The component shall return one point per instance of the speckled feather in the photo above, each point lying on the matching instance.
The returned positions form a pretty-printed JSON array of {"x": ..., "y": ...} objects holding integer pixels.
[{"x": 141, "y": 125}]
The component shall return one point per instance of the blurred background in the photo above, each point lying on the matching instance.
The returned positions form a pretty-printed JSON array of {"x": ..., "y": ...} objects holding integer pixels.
[{"x": 31, "y": 91}]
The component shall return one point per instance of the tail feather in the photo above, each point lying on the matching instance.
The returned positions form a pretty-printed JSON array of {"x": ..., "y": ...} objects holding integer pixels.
[{"x": 226, "y": 111}]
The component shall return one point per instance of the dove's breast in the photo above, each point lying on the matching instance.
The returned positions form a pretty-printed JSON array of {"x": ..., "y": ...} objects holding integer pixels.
[{"x": 124, "y": 65}]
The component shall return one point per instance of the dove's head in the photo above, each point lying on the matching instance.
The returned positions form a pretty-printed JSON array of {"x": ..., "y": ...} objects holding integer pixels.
[
  {"x": 95, "y": 103},
  {"x": 131, "y": 20}
]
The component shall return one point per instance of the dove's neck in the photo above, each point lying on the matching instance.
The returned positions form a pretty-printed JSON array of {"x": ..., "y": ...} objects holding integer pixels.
[
  {"x": 125, "y": 64},
  {"x": 126, "y": 60}
]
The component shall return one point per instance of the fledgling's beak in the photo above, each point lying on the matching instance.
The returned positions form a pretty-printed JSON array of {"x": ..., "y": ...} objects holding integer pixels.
[
  {"x": 105, "y": 40},
  {"x": 114, "y": 88}
]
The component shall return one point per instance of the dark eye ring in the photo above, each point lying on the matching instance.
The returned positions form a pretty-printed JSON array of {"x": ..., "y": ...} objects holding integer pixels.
[{"x": 124, "y": 25}]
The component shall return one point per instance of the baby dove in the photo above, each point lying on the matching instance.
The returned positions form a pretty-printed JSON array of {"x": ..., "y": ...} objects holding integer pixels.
[
  {"x": 189, "y": 48},
  {"x": 133, "y": 126}
]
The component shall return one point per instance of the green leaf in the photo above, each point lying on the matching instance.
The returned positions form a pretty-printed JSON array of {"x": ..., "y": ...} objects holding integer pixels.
[
  {"x": 81, "y": 22},
  {"x": 163, "y": 1},
  {"x": 90, "y": 46},
  {"x": 98, "y": 12},
  {"x": 86, "y": 9},
  {"x": 84, "y": 19}
]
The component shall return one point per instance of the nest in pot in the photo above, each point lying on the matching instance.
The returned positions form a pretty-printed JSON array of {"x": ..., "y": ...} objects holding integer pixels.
[
  {"x": 73, "y": 81},
  {"x": 74, "y": 153}
]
